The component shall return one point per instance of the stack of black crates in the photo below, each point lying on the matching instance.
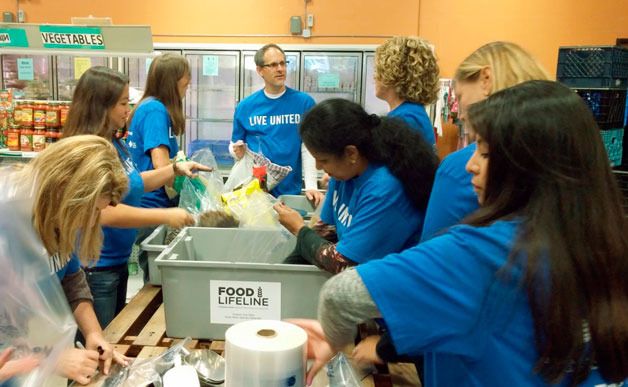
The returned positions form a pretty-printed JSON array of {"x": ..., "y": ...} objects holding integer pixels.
[{"x": 599, "y": 74}]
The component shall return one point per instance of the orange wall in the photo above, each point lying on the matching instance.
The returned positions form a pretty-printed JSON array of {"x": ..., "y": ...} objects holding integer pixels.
[
  {"x": 456, "y": 27},
  {"x": 237, "y": 17}
]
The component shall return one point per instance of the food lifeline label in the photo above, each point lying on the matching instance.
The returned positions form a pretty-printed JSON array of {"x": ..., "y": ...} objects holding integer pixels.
[
  {"x": 86, "y": 38},
  {"x": 236, "y": 301}
]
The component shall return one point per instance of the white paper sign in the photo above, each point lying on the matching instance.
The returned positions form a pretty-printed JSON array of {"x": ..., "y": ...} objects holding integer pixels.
[{"x": 236, "y": 301}]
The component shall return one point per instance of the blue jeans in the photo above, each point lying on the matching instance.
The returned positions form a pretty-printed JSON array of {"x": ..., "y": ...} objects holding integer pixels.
[{"x": 108, "y": 286}]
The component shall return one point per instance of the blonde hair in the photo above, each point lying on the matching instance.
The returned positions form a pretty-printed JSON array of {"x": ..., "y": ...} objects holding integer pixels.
[
  {"x": 408, "y": 65},
  {"x": 69, "y": 178},
  {"x": 510, "y": 65},
  {"x": 162, "y": 83}
]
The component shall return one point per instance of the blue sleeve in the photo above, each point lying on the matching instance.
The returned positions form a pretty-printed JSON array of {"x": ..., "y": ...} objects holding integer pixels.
[
  {"x": 156, "y": 130},
  {"x": 309, "y": 104},
  {"x": 450, "y": 201},
  {"x": 73, "y": 265},
  {"x": 379, "y": 224},
  {"x": 239, "y": 131},
  {"x": 437, "y": 301},
  {"x": 452, "y": 197},
  {"x": 327, "y": 212}
]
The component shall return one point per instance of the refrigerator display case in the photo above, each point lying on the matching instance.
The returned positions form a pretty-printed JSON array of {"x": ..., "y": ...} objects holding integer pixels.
[
  {"x": 251, "y": 81},
  {"x": 210, "y": 102},
  {"x": 372, "y": 104},
  {"x": 70, "y": 69},
  {"x": 29, "y": 76},
  {"x": 327, "y": 75}
]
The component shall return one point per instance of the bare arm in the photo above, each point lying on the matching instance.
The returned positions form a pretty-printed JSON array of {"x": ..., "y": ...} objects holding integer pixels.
[
  {"x": 160, "y": 157},
  {"x": 161, "y": 176},
  {"x": 124, "y": 216},
  {"x": 91, "y": 330}
]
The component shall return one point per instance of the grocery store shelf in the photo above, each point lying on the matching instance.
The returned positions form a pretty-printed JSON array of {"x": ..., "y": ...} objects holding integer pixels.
[{"x": 5, "y": 152}]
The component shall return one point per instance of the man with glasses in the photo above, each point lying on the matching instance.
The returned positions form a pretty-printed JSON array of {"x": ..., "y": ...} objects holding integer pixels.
[{"x": 268, "y": 121}]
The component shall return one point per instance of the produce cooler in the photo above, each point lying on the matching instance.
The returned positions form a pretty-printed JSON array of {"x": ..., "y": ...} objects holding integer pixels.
[{"x": 213, "y": 278}]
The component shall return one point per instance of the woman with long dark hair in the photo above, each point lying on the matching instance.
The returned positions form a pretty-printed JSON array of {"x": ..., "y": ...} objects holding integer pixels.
[
  {"x": 531, "y": 289},
  {"x": 154, "y": 126},
  {"x": 381, "y": 176}
]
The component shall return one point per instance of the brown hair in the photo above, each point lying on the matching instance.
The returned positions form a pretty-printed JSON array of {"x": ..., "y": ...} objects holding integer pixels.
[
  {"x": 98, "y": 90},
  {"x": 548, "y": 169},
  {"x": 162, "y": 83}
]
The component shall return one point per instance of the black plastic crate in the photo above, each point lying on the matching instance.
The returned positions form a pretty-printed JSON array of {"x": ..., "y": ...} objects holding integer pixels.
[
  {"x": 622, "y": 180},
  {"x": 608, "y": 106},
  {"x": 609, "y": 83},
  {"x": 592, "y": 62},
  {"x": 613, "y": 142}
]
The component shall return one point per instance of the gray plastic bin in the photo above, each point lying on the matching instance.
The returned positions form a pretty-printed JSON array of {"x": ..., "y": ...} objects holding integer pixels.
[
  {"x": 205, "y": 293},
  {"x": 154, "y": 245},
  {"x": 299, "y": 203}
]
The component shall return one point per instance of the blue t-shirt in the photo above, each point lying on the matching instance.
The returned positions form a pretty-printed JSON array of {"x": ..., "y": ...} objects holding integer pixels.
[
  {"x": 447, "y": 302},
  {"x": 372, "y": 214},
  {"x": 150, "y": 128},
  {"x": 271, "y": 126},
  {"x": 118, "y": 242},
  {"x": 415, "y": 115},
  {"x": 71, "y": 267},
  {"x": 452, "y": 196}
]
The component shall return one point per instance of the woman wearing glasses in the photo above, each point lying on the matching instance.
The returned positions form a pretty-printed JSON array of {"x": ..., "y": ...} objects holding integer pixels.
[{"x": 268, "y": 121}]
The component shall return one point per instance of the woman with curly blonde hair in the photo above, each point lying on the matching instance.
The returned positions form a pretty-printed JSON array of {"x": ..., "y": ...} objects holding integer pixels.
[{"x": 406, "y": 77}]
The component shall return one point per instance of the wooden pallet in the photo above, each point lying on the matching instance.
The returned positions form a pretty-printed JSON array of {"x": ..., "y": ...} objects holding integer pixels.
[{"x": 139, "y": 331}]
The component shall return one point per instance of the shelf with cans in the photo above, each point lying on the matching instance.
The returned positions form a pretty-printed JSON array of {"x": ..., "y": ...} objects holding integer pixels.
[{"x": 28, "y": 126}]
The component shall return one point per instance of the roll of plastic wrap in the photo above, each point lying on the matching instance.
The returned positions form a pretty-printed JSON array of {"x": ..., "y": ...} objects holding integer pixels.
[{"x": 265, "y": 353}]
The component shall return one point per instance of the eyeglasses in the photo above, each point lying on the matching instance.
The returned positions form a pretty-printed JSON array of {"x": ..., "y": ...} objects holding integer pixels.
[{"x": 275, "y": 65}]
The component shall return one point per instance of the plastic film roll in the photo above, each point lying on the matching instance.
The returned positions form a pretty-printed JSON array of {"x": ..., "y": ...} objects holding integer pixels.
[{"x": 265, "y": 353}]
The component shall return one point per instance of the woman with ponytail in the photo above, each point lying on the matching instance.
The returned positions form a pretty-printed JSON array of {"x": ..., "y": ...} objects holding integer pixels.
[{"x": 381, "y": 176}]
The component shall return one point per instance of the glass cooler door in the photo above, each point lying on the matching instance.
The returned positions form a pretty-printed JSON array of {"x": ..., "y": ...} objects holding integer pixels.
[
  {"x": 211, "y": 101},
  {"x": 29, "y": 76},
  {"x": 332, "y": 75}
]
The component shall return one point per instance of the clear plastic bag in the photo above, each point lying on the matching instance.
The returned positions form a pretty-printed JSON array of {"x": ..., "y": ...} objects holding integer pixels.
[
  {"x": 35, "y": 317},
  {"x": 145, "y": 372},
  {"x": 241, "y": 173},
  {"x": 341, "y": 373}
]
